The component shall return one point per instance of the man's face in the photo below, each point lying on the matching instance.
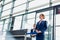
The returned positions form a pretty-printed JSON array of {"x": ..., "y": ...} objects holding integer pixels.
[{"x": 34, "y": 26}]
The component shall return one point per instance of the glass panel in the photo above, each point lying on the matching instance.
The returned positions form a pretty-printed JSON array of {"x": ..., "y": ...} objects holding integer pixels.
[
  {"x": 37, "y": 4},
  {"x": 18, "y": 13},
  {"x": 20, "y": 8},
  {"x": 4, "y": 17},
  {"x": 6, "y": 25},
  {"x": 30, "y": 16},
  {"x": 4, "y": 28},
  {"x": 38, "y": 8},
  {"x": 7, "y": 6},
  {"x": 6, "y": 1},
  {"x": 18, "y": 2},
  {"x": 1, "y": 25},
  {"x": 17, "y": 23},
  {"x": 57, "y": 33},
  {"x": 4, "y": 36},
  {"x": 1, "y": 28},
  {"x": 28, "y": 24},
  {"x": 58, "y": 19},
  {"x": 55, "y": 2},
  {"x": 0, "y": 9},
  {"x": 6, "y": 13}
]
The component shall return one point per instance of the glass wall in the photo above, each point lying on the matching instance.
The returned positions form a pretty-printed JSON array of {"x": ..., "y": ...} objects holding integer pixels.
[
  {"x": 28, "y": 23},
  {"x": 1, "y": 25},
  {"x": 3, "y": 29},
  {"x": 24, "y": 19},
  {"x": 57, "y": 27}
]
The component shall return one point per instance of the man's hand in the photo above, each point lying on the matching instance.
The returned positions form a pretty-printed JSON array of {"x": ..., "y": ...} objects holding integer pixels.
[
  {"x": 33, "y": 35},
  {"x": 38, "y": 31}
]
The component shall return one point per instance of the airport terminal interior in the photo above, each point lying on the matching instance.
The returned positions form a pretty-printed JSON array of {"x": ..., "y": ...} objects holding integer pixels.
[{"x": 18, "y": 16}]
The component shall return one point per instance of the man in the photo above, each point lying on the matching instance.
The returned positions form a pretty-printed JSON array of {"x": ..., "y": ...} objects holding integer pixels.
[{"x": 33, "y": 32}]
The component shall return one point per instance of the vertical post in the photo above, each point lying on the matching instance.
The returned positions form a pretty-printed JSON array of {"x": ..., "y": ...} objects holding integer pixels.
[
  {"x": 10, "y": 19},
  {"x": 2, "y": 5},
  {"x": 35, "y": 17},
  {"x": 22, "y": 22},
  {"x": 12, "y": 23},
  {"x": 50, "y": 17},
  {"x": 1, "y": 10},
  {"x": 54, "y": 24},
  {"x": 13, "y": 1},
  {"x": 24, "y": 18},
  {"x": 27, "y": 8}
]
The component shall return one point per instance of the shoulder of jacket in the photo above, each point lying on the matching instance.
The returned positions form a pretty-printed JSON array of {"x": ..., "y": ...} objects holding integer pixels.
[{"x": 44, "y": 20}]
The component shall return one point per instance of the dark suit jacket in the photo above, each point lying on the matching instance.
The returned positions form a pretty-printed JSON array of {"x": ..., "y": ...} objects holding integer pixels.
[
  {"x": 41, "y": 27},
  {"x": 33, "y": 32}
]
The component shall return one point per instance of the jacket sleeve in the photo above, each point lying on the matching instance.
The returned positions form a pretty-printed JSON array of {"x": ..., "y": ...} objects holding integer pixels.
[
  {"x": 36, "y": 26},
  {"x": 31, "y": 30},
  {"x": 44, "y": 27}
]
